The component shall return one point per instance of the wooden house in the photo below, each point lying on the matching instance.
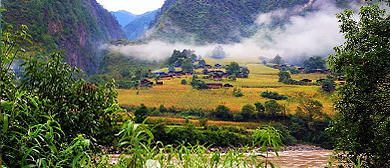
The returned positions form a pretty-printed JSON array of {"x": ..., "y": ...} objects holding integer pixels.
[
  {"x": 227, "y": 85},
  {"x": 214, "y": 85},
  {"x": 306, "y": 80},
  {"x": 146, "y": 83}
]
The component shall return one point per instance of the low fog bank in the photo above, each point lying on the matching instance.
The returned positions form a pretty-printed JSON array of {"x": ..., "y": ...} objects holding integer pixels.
[{"x": 316, "y": 33}]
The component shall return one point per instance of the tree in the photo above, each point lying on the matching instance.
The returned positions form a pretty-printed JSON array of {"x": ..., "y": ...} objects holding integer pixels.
[
  {"x": 362, "y": 123},
  {"x": 284, "y": 77},
  {"x": 278, "y": 60},
  {"x": 233, "y": 68},
  {"x": 218, "y": 53},
  {"x": 259, "y": 108},
  {"x": 140, "y": 114},
  {"x": 328, "y": 85},
  {"x": 314, "y": 63},
  {"x": 247, "y": 111},
  {"x": 222, "y": 112},
  {"x": 187, "y": 65},
  {"x": 273, "y": 108},
  {"x": 245, "y": 72}
]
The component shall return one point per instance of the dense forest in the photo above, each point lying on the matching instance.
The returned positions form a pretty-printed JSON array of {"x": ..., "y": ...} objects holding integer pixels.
[{"x": 78, "y": 27}]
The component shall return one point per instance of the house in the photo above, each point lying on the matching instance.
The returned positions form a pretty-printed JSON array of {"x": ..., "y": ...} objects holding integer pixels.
[
  {"x": 276, "y": 67},
  {"x": 217, "y": 78},
  {"x": 217, "y": 66},
  {"x": 214, "y": 85},
  {"x": 306, "y": 80},
  {"x": 342, "y": 83},
  {"x": 341, "y": 78},
  {"x": 227, "y": 85},
  {"x": 159, "y": 83},
  {"x": 146, "y": 83},
  {"x": 166, "y": 76},
  {"x": 319, "y": 71},
  {"x": 208, "y": 66}
]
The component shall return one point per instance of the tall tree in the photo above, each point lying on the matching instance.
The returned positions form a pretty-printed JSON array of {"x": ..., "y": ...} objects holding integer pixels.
[
  {"x": 362, "y": 124},
  {"x": 314, "y": 63}
]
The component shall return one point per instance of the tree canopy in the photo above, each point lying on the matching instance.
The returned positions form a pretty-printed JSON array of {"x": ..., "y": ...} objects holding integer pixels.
[{"x": 362, "y": 124}]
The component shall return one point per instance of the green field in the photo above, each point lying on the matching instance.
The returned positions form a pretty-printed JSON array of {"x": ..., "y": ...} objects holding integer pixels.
[{"x": 261, "y": 78}]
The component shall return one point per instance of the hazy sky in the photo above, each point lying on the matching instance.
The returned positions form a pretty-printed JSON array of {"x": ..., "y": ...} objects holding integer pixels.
[{"x": 133, "y": 6}]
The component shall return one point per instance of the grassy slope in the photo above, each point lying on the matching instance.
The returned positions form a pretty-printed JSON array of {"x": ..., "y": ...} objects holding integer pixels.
[{"x": 172, "y": 93}]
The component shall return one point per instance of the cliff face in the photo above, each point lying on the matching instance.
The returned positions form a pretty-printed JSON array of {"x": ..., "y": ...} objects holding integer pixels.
[{"x": 79, "y": 27}]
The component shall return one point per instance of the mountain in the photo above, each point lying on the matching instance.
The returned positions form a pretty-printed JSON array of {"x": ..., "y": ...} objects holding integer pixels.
[
  {"x": 124, "y": 17},
  {"x": 79, "y": 27},
  {"x": 217, "y": 21},
  {"x": 138, "y": 27}
]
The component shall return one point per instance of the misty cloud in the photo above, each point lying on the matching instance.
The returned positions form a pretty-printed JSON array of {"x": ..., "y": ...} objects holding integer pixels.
[{"x": 316, "y": 33}]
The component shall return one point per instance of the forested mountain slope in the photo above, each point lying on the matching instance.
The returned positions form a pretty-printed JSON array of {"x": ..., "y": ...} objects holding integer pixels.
[
  {"x": 79, "y": 27},
  {"x": 139, "y": 25},
  {"x": 218, "y": 21}
]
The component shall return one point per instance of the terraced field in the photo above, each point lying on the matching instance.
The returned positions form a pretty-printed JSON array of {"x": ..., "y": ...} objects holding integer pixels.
[{"x": 261, "y": 78}]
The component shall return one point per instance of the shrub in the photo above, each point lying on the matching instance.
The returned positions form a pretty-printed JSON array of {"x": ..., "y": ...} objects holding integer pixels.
[
  {"x": 247, "y": 111},
  {"x": 183, "y": 82},
  {"x": 273, "y": 95},
  {"x": 237, "y": 93}
]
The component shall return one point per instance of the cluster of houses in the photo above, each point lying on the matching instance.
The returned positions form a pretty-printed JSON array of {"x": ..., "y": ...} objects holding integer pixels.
[{"x": 301, "y": 69}]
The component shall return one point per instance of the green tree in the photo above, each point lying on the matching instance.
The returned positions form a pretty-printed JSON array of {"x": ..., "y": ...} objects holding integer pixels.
[
  {"x": 284, "y": 77},
  {"x": 260, "y": 109},
  {"x": 245, "y": 72},
  {"x": 187, "y": 65},
  {"x": 362, "y": 123},
  {"x": 314, "y": 63},
  {"x": 140, "y": 114},
  {"x": 222, "y": 112},
  {"x": 247, "y": 111},
  {"x": 233, "y": 68},
  {"x": 278, "y": 60},
  {"x": 328, "y": 85},
  {"x": 273, "y": 108}
]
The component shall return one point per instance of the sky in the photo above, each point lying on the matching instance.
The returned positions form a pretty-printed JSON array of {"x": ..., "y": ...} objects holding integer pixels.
[{"x": 133, "y": 6}]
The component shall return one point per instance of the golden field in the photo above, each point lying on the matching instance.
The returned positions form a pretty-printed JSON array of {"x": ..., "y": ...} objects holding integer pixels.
[{"x": 261, "y": 78}]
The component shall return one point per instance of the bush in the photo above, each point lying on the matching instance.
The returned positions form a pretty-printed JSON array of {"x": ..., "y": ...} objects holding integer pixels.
[
  {"x": 237, "y": 93},
  {"x": 247, "y": 111},
  {"x": 273, "y": 95},
  {"x": 183, "y": 82},
  {"x": 222, "y": 112},
  {"x": 140, "y": 114}
]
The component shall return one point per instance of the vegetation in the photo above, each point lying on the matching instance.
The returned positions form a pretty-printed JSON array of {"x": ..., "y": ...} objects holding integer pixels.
[
  {"x": 77, "y": 27},
  {"x": 273, "y": 95},
  {"x": 314, "y": 63},
  {"x": 218, "y": 53},
  {"x": 362, "y": 123}
]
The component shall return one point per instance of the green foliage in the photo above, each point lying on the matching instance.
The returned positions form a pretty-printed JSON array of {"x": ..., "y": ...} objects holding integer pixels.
[
  {"x": 278, "y": 60},
  {"x": 222, "y": 112},
  {"x": 362, "y": 124},
  {"x": 273, "y": 108},
  {"x": 328, "y": 85},
  {"x": 198, "y": 84},
  {"x": 260, "y": 108},
  {"x": 314, "y": 63},
  {"x": 183, "y": 82},
  {"x": 51, "y": 116},
  {"x": 237, "y": 92},
  {"x": 140, "y": 114},
  {"x": 178, "y": 58},
  {"x": 268, "y": 137},
  {"x": 273, "y": 95},
  {"x": 248, "y": 111},
  {"x": 78, "y": 27},
  {"x": 284, "y": 76},
  {"x": 233, "y": 68}
]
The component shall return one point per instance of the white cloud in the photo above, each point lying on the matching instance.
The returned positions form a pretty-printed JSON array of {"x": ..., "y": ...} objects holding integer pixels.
[{"x": 313, "y": 34}]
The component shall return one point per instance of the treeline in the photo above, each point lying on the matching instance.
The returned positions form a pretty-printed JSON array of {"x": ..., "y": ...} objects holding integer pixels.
[{"x": 308, "y": 124}]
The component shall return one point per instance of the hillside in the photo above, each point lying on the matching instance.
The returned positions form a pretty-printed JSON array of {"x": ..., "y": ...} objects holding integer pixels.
[
  {"x": 78, "y": 27},
  {"x": 217, "y": 21},
  {"x": 124, "y": 17},
  {"x": 213, "y": 20},
  {"x": 139, "y": 25}
]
